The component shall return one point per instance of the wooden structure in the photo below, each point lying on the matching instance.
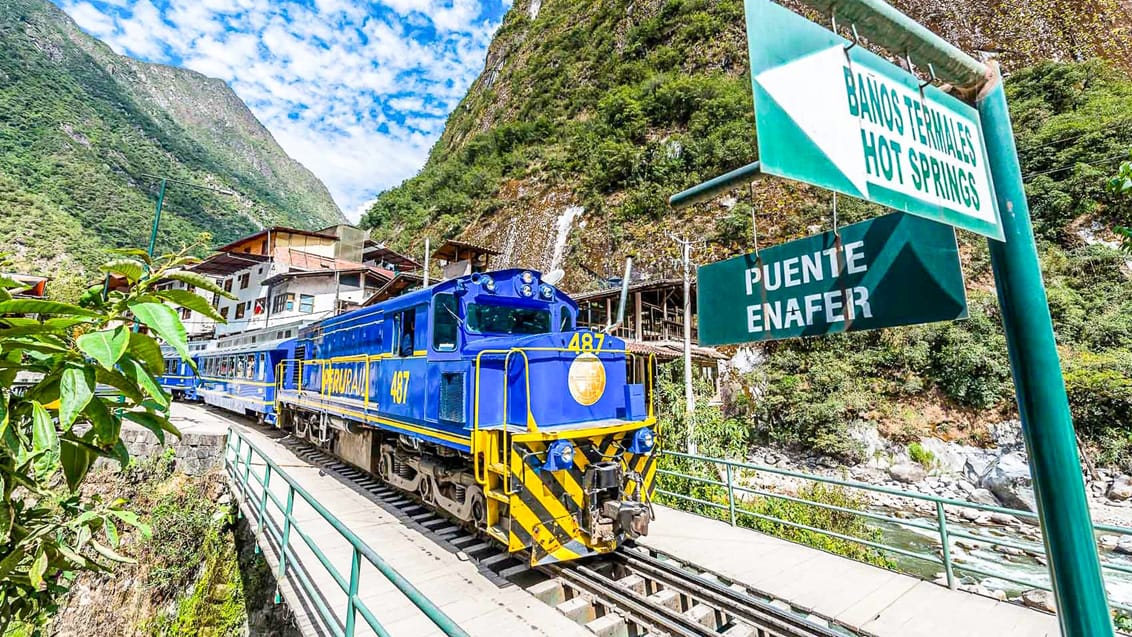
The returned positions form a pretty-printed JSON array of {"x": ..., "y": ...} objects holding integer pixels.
[
  {"x": 460, "y": 258},
  {"x": 653, "y": 324}
]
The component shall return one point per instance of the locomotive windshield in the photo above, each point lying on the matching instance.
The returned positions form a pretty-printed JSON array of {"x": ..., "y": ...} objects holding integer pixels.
[{"x": 506, "y": 319}]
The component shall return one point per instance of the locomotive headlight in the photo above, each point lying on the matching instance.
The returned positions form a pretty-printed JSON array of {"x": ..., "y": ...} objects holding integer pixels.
[
  {"x": 643, "y": 441},
  {"x": 488, "y": 283},
  {"x": 526, "y": 291},
  {"x": 547, "y": 292},
  {"x": 527, "y": 277},
  {"x": 559, "y": 455}
]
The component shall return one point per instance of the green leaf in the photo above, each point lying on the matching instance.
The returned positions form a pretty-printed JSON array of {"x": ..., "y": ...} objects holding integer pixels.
[
  {"x": 145, "y": 349},
  {"x": 156, "y": 424},
  {"x": 110, "y": 554},
  {"x": 129, "y": 268},
  {"x": 106, "y": 346},
  {"x": 76, "y": 460},
  {"x": 44, "y": 438},
  {"x": 3, "y": 413},
  {"x": 141, "y": 377},
  {"x": 76, "y": 387},
  {"x": 105, "y": 426},
  {"x": 163, "y": 320},
  {"x": 37, "y": 569},
  {"x": 34, "y": 306},
  {"x": 132, "y": 252},
  {"x": 115, "y": 379},
  {"x": 111, "y": 531},
  {"x": 199, "y": 281},
  {"x": 194, "y": 302}
]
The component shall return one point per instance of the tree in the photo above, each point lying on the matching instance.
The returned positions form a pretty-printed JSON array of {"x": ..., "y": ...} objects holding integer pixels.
[
  {"x": 69, "y": 376},
  {"x": 1121, "y": 184}
]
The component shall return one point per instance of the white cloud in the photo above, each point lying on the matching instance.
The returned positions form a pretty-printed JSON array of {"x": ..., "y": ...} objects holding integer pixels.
[{"x": 357, "y": 90}]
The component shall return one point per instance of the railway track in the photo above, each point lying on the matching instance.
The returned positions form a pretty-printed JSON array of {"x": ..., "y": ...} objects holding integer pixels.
[{"x": 633, "y": 592}]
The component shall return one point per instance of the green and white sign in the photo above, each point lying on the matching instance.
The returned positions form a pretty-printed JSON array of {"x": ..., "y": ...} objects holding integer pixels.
[
  {"x": 893, "y": 270},
  {"x": 848, "y": 120}
]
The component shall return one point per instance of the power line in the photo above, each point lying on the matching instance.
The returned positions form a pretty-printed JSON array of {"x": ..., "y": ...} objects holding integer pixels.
[
  {"x": 1075, "y": 164},
  {"x": 1119, "y": 122}
]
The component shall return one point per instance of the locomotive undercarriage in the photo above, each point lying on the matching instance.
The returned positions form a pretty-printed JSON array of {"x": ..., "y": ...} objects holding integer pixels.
[{"x": 440, "y": 477}]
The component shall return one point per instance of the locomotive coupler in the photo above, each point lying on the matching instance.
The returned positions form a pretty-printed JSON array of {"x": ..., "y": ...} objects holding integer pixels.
[{"x": 610, "y": 513}]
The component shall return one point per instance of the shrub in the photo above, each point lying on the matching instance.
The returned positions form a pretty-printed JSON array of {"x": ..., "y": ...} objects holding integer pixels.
[{"x": 920, "y": 455}]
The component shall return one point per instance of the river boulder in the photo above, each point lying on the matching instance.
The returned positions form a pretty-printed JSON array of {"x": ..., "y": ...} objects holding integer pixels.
[
  {"x": 907, "y": 472},
  {"x": 1009, "y": 480},
  {"x": 1120, "y": 489}
]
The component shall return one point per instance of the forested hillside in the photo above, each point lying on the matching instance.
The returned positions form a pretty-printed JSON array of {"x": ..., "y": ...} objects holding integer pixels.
[
  {"x": 588, "y": 115},
  {"x": 82, "y": 129}
]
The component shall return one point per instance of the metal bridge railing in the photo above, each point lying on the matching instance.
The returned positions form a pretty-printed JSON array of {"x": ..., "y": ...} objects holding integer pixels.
[
  {"x": 252, "y": 473},
  {"x": 721, "y": 497}
]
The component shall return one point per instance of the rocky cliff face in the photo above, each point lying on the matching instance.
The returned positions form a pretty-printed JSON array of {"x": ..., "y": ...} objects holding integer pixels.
[
  {"x": 590, "y": 113},
  {"x": 609, "y": 106},
  {"x": 82, "y": 130}
]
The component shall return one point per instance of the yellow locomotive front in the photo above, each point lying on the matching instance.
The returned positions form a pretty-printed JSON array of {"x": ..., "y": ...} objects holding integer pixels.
[{"x": 564, "y": 445}]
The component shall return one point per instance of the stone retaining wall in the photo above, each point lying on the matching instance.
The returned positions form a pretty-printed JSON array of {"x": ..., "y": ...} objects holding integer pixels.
[{"x": 195, "y": 453}]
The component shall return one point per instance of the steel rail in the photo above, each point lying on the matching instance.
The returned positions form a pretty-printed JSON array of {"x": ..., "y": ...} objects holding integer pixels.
[
  {"x": 750, "y": 610},
  {"x": 641, "y": 610}
]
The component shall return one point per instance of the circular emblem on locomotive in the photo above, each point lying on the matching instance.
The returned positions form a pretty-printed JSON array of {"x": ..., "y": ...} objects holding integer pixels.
[{"x": 586, "y": 379}]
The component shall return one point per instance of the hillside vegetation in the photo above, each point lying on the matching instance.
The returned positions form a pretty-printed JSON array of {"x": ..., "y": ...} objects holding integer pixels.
[
  {"x": 614, "y": 105},
  {"x": 82, "y": 128}
]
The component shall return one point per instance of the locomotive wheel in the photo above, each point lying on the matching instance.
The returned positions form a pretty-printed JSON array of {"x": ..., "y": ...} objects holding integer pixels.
[
  {"x": 383, "y": 467},
  {"x": 425, "y": 489},
  {"x": 479, "y": 511}
]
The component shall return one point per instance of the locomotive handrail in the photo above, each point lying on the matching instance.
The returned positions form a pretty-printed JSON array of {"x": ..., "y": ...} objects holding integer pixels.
[
  {"x": 238, "y": 461},
  {"x": 480, "y": 471}
]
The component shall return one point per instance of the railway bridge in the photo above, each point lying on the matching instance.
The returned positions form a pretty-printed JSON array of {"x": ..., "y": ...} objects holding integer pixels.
[{"x": 354, "y": 557}]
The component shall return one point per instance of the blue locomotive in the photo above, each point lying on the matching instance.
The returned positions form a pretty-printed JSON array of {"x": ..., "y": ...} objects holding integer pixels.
[{"x": 480, "y": 396}]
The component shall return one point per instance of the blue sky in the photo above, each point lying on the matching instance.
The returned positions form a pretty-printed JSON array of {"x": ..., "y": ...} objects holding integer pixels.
[{"x": 357, "y": 91}]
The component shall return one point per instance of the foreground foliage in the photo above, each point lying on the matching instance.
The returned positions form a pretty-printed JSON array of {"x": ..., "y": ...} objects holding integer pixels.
[{"x": 69, "y": 376}]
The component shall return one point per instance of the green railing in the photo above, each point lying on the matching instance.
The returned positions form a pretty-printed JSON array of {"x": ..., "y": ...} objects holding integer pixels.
[
  {"x": 729, "y": 474},
  {"x": 253, "y": 480}
]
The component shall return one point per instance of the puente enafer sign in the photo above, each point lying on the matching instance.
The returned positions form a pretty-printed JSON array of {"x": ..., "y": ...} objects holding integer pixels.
[
  {"x": 843, "y": 118},
  {"x": 894, "y": 270}
]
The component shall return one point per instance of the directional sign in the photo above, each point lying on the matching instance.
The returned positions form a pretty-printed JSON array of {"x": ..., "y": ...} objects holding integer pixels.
[
  {"x": 892, "y": 270},
  {"x": 842, "y": 118}
]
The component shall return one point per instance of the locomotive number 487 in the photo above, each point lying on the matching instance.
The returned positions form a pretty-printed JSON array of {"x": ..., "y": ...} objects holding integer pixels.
[
  {"x": 399, "y": 388},
  {"x": 586, "y": 342}
]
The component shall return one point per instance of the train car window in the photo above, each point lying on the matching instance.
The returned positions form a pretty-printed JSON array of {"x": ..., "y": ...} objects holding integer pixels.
[
  {"x": 250, "y": 371},
  {"x": 564, "y": 323},
  {"x": 445, "y": 323},
  {"x": 406, "y": 334},
  {"x": 506, "y": 319}
]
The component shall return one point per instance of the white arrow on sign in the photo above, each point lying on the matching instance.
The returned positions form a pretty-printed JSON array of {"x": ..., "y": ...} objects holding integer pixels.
[
  {"x": 808, "y": 91},
  {"x": 812, "y": 91}
]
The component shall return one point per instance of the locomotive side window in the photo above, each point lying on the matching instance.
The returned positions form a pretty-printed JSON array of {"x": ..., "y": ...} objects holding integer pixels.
[
  {"x": 504, "y": 319},
  {"x": 564, "y": 323},
  {"x": 404, "y": 331},
  {"x": 445, "y": 323}
]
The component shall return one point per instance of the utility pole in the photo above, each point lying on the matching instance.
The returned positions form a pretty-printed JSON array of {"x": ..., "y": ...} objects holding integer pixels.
[
  {"x": 427, "y": 249},
  {"x": 689, "y": 394},
  {"x": 161, "y": 202}
]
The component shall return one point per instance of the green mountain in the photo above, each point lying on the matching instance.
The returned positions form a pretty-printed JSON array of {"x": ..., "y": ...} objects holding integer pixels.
[
  {"x": 83, "y": 130},
  {"x": 590, "y": 113}
]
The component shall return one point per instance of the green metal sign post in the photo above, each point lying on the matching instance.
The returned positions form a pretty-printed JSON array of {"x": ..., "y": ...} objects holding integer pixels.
[
  {"x": 1046, "y": 422},
  {"x": 893, "y": 270},
  {"x": 1059, "y": 486}
]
